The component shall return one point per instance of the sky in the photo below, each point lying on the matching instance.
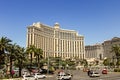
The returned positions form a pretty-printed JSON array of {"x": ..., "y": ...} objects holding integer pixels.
[{"x": 96, "y": 20}]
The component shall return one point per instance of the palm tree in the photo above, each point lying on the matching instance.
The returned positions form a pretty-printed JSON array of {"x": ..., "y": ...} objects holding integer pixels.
[
  {"x": 39, "y": 54},
  {"x": 116, "y": 50},
  {"x": 106, "y": 62},
  {"x": 20, "y": 56},
  {"x": 31, "y": 50},
  {"x": 4, "y": 43},
  {"x": 12, "y": 55},
  {"x": 84, "y": 62}
]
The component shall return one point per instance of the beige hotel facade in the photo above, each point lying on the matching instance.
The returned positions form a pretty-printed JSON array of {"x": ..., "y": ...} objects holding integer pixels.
[
  {"x": 56, "y": 42},
  {"x": 94, "y": 51}
]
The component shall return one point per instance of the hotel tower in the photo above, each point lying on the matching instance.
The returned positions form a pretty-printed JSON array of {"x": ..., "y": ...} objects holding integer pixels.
[{"x": 56, "y": 42}]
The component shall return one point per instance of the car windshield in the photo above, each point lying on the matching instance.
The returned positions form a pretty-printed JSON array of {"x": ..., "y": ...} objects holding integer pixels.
[
  {"x": 68, "y": 74},
  {"x": 29, "y": 76},
  {"x": 38, "y": 74},
  {"x": 96, "y": 73},
  {"x": 62, "y": 75}
]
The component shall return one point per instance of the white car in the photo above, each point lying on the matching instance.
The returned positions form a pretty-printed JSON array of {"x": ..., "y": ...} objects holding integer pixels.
[
  {"x": 64, "y": 77},
  {"x": 95, "y": 74},
  {"x": 39, "y": 76},
  {"x": 28, "y": 77}
]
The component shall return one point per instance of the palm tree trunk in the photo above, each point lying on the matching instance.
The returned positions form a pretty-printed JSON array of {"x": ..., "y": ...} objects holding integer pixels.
[
  {"x": 31, "y": 60},
  {"x": 11, "y": 67},
  {"x": 20, "y": 68},
  {"x": 38, "y": 62}
]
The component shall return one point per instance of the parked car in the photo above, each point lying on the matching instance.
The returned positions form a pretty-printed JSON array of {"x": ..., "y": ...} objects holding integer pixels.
[
  {"x": 39, "y": 76},
  {"x": 104, "y": 71},
  {"x": 94, "y": 74},
  {"x": 28, "y": 77}
]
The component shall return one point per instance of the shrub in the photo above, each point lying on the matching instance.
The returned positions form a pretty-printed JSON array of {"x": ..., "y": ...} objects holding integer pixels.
[{"x": 117, "y": 70}]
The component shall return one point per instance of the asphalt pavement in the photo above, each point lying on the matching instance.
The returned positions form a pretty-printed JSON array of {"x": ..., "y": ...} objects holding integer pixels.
[{"x": 80, "y": 75}]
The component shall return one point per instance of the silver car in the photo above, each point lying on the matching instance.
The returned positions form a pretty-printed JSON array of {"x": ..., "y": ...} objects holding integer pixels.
[
  {"x": 64, "y": 77},
  {"x": 94, "y": 74},
  {"x": 28, "y": 77},
  {"x": 39, "y": 76}
]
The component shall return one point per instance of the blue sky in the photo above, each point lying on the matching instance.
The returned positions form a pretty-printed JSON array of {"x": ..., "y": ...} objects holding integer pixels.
[{"x": 97, "y": 20}]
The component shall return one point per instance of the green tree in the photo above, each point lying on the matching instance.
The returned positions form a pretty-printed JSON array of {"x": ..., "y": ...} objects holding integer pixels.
[
  {"x": 38, "y": 54},
  {"x": 20, "y": 58},
  {"x": 96, "y": 62},
  {"x": 4, "y": 43},
  {"x": 57, "y": 62},
  {"x": 12, "y": 55},
  {"x": 70, "y": 63},
  {"x": 84, "y": 62},
  {"x": 106, "y": 62},
  {"x": 116, "y": 50},
  {"x": 30, "y": 51}
]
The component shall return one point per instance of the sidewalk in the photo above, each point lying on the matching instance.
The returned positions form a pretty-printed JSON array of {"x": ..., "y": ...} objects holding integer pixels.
[{"x": 12, "y": 79}]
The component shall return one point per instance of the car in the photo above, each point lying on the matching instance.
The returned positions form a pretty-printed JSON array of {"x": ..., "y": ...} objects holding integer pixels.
[
  {"x": 28, "y": 77},
  {"x": 104, "y": 71},
  {"x": 39, "y": 76},
  {"x": 61, "y": 73},
  {"x": 45, "y": 71},
  {"x": 94, "y": 74},
  {"x": 64, "y": 76}
]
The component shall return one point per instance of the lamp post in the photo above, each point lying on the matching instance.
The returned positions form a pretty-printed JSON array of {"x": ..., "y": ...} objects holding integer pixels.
[
  {"x": 59, "y": 47},
  {"x": 59, "y": 62},
  {"x": 48, "y": 64}
]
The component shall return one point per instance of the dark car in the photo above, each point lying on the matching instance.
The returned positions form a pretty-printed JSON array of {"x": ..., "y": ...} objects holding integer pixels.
[
  {"x": 45, "y": 71},
  {"x": 89, "y": 72}
]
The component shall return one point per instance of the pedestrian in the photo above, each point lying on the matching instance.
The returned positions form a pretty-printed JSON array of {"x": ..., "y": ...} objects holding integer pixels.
[
  {"x": 12, "y": 73},
  {"x": 88, "y": 72}
]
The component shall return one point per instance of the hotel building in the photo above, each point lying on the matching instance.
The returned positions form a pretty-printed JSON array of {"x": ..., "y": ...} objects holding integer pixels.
[
  {"x": 56, "y": 42},
  {"x": 94, "y": 51}
]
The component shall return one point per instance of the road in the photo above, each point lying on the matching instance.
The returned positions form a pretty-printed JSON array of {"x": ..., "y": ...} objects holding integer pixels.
[{"x": 80, "y": 75}]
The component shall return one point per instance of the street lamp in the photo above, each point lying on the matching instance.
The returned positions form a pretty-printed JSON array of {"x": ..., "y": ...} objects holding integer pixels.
[
  {"x": 48, "y": 64},
  {"x": 59, "y": 62},
  {"x": 59, "y": 47}
]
